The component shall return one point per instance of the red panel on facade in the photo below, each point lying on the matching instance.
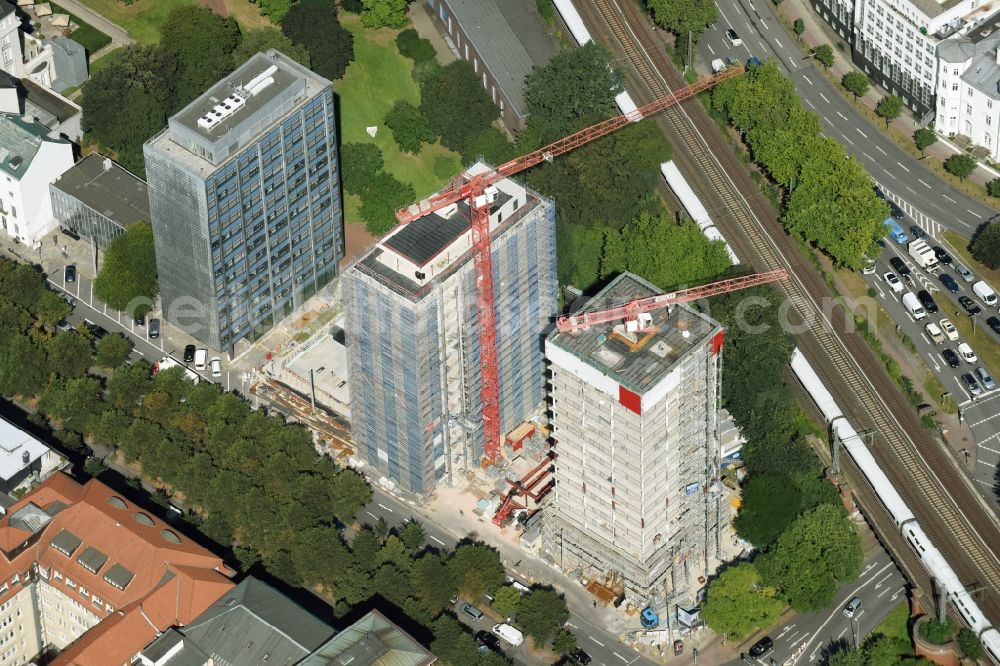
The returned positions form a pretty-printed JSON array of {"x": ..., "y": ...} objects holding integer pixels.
[
  {"x": 717, "y": 341},
  {"x": 630, "y": 401}
]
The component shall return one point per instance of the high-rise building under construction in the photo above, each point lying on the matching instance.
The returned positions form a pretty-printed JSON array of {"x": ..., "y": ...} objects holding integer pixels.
[
  {"x": 635, "y": 417},
  {"x": 413, "y": 341}
]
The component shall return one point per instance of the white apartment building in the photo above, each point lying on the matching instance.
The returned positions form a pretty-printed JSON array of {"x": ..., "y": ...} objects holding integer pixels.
[
  {"x": 29, "y": 161},
  {"x": 635, "y": 418},
  {"x": 940, "y": 57}
]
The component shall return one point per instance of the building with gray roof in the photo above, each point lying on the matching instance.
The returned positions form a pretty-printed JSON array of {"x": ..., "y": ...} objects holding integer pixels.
[
  {"x": 97, "y": 199},
  {"x": 371, "y": 641},
  {"x": 503, "y": 39},
  {"x": 251, "y": 624}
]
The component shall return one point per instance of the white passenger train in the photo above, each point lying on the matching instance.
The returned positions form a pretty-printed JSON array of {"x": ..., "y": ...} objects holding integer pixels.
[
  {"x": 693, "y": 206},
  {"x": 580, "y": 33},
  {"x": 931, "y": 558}
]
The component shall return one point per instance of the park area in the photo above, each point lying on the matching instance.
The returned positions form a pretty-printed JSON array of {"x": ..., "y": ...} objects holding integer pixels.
[
  {"x": 143, "y": 18},
  {"x": 377, "y": 79}
]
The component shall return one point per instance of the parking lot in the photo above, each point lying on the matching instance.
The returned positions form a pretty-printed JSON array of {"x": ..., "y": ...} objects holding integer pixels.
[{"x": 969, "y": 383}]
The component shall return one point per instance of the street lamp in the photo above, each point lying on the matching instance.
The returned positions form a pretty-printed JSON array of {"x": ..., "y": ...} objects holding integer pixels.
[{"x": 857, "y": 634}]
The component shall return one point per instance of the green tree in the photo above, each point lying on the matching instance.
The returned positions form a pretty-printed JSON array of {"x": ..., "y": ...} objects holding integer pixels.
[
  {"x": 889, "y": 108},
  {"x": 564, "y": 642},
  {"x": 574, "y": 89},
  {"x": 359, "y": 163},
  {"x": 683, "y": 16},
  {"x": 798, "y": 27},
  {"x": 993, "y": 187},
  {"x": 409, "y": 127},
  {"x": 262, "y": 39},
  {"x": 73, "y": 403},
  {"x": 319, "y": 555},
  {"x": 986, "y": 244},
  {"x": 381, "y": 199},
  {"x": 384, "y": 13},
  {"x": 924, "y": 138},
  {"x": 961, "y": 165},
  {"x": 738, "y": 602},
  {"x": 411, "y": 45},
  {"x": 490, "y": 144},
  {"x": 541, "y": 613},
  {"x": 23, "y": 367},
  {"x": 819, "y": 551},
  {"x": 834, "y": 205},
  {"x": 970, "y": 644},
  {"x": 506, "y": 600},
  {"x": 413, "y": 535},
  {"x": 432, "y": 582},
  {"x": 352, "y": 6},
  {"x": 126, "y": 102},
  {"x": 667, "y": 254},
  {"x": 202, "y": 43},
  {"x": 476, "y": 568},
  {"x": 314, "y": 25},
  {"x": 455, "y": 123},
  {"x": 94, "y": 466},
  {"x": 348, "y": 493},
  {"x": 127, "y": 278},
  {"x": 936, "y": 632},
  {"x": 113, "y": 350},
  {"x": 855, "y": 82},
  {"x": 274, "y": 9},
  {"x": 770, "y": 504},
  {"x": 824, "y": 55},
  {"x": 70, "y": 354}
]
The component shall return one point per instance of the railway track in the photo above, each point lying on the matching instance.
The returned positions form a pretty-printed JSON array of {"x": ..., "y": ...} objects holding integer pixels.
[{"x": 928, "y": 479}]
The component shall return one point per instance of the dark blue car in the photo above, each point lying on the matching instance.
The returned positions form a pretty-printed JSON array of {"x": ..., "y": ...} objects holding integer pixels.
[{"x": 949, "y": 283}]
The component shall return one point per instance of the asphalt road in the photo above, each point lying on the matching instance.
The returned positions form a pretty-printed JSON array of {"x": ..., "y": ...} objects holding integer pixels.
[
  {"x": 982, "y": 412},
  {"x": 881, "y": 588},
  {"x": 922, "y": 195}
]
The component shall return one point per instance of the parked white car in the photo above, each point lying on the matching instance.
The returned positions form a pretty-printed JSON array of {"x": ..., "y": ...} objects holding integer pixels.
[
  {"x": 893, "y": 282},
  {"x": 965, "y": 351}
]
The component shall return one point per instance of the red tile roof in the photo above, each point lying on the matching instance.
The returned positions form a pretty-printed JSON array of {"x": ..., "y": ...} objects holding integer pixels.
[{"x": 174, "y": 579}]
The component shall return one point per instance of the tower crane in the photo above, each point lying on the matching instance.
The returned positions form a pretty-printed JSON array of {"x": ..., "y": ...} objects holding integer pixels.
[
  {"x": 472, "y": 188},
  {"x": 635, "y": 313}
]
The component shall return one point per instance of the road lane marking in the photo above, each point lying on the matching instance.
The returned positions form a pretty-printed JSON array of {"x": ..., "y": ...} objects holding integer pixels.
[
  {"x": 867, "y": 156},
  {"x": 971, "y": 211},
  {"x": 879, "y": 149},
  {"x": 848, "y": 140},
  {"x": 949, "y": 198},
  {"x": 824, "y": 98},
  {"x": 439, "y": 540},
  {"x": 384, "y": 507},
  {"x": 837, "y": 611},
  {"x": 937, "y": 368},
  {"x": 620, "y": 657},
  {"x": 710, "y": 48},
  {"x": 861, "y": 133},
  {"x": 372, "y": 515},
  {"x": 571, "y": 625},
  {"x": 810, "y": 104},
  {"x": 596, "y": 641},
  {"x": 841, "y": 115},
  {"x": 921, "y": 180},
  {"x": 903, "y": 167},
  {"x": 881, "y": 582},
  {"x": 808, "y": 80},
  {"x": 841, "y": 634}
]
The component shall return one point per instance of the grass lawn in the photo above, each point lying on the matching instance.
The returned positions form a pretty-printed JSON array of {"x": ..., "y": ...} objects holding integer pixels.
[
  {"x": 87, "y": 36},
  {"x": 377, "y": 79},
  {"x": 895, "y": 624},
  {"x": 960, "y": 246},
  {"x": 104, "y": 61},
  {"x": 143, "y": 18}
]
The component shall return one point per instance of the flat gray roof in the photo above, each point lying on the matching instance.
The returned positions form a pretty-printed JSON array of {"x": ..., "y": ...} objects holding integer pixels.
[
  {"x": 101, "y": 184},
  {"x": 639, "y": 366},
  {"x": 511, "y": 38}
]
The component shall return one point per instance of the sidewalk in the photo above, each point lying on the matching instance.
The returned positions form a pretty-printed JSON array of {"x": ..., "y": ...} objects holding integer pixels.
[{"x": 818, "y": 32}]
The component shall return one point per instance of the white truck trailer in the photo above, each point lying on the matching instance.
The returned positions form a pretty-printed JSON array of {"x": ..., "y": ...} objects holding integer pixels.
[{"x": 923, "y": 254}]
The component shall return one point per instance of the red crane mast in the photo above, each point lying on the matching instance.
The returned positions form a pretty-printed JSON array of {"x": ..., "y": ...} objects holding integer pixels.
[{"x": 473, "y": 189}]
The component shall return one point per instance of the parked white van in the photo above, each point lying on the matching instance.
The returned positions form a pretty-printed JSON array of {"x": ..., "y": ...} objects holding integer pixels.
[
  {"x": 913, "y": 306},
  {"x": 985, "y": 293},
  {"x": 508, "y": 633}
]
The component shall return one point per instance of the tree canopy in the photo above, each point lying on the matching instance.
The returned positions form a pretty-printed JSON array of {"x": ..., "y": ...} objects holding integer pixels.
[
  {"x": 314, "y": 25},
  {"x": 924, "y": 138},
  {"x": 262, "y": 39},
  {"x": 575, "y": 88},
  {"x": 824, "y": 55},
  {"x": 409, "y": 127},
  {"x": 986, "y": 244},
  {"x": 456, "y": 122},
  {"x": 542, "y": 613},
  {"x": 855, "y": 82},
  {"x": 820, "y": 550},
  {"x": 384, "y": 13},
  {"x": 411, "y": 45},
  {"x": 668, "y": 254},
  {"x": 683, "y": 16},
  {"x": 380, "y": 200},
  {"x": 359, "y": 164},
  {"x": 961, "y": 165},
  {"x": 738, "y": 602},
  {"x": 127, "y": 279},
  {"x": 889, "y": 108},
  {"x": 202, "y": 43},
  {"x": 274, "y": 9}
]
